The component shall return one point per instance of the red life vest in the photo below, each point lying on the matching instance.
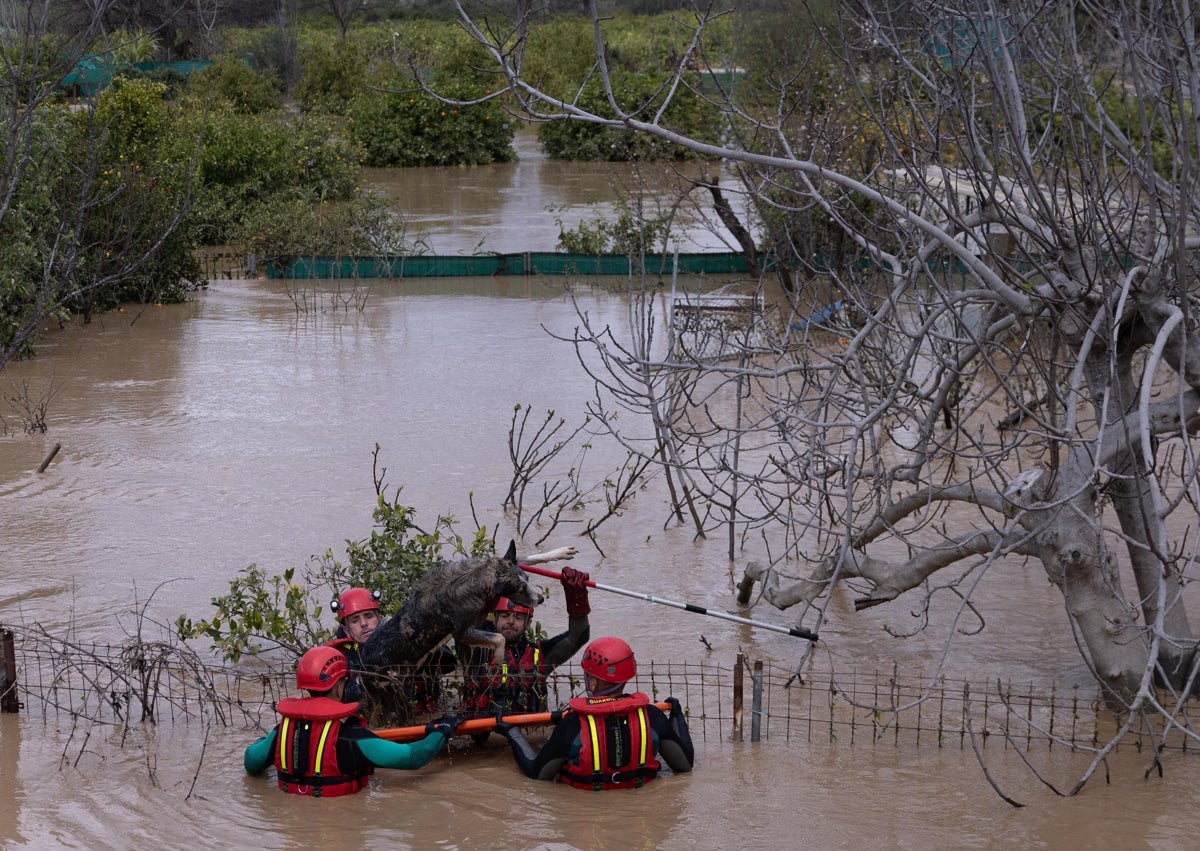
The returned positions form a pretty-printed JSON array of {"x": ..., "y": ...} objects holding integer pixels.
[
  {"x": 616, "y": 745},
  {"x": 306, "y": 759},
  {"x": 345, "y": 643},
  {"x": 518, "y": 682}
]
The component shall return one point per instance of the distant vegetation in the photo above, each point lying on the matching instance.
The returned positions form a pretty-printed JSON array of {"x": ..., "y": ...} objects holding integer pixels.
[{"x": 264, "y": 148}]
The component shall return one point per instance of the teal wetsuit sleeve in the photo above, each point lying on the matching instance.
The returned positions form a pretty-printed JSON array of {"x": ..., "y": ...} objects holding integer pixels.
[
  {"x": 385, "y": 754},
  {"x": 258, "y": 755}
]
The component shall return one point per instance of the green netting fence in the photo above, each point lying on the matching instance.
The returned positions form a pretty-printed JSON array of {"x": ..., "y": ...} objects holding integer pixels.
[{"x": 525, "y": 263}]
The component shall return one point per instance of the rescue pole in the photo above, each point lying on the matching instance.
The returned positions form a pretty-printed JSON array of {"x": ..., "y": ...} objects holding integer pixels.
[
  {"x": 794, "y": 631},
  {"x": 481, "y": 725}
]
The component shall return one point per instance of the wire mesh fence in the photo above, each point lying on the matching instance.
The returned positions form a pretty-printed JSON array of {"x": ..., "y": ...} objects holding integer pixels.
[
  {"x": 165, "y": 682},
  {"x": 227, "y": 262}
]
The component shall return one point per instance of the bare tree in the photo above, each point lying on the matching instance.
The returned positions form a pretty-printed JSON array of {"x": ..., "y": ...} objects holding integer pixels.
[
  {"x": 183, "y": 28},
  {"x": 1021, "y": 373},
  {"x": 343, "y": 12}
]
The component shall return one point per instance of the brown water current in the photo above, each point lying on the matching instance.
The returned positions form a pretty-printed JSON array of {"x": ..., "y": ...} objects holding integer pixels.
[{"x": 200, "y": 438}]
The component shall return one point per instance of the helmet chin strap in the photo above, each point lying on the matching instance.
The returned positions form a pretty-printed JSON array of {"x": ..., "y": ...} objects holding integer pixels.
[{"x": 612, "y": 688}]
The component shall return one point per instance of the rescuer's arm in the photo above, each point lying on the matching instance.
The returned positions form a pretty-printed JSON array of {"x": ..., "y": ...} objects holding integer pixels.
[{"x": 258, "y": 754}]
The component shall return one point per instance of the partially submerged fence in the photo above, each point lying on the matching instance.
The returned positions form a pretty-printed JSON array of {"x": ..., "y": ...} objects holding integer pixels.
[
  {"x": 166, "y": 682},
  {"x": 546, "y": 263}
]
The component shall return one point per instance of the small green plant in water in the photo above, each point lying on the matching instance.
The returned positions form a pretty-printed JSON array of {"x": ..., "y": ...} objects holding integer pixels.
[{"x": 627, "y": 230}]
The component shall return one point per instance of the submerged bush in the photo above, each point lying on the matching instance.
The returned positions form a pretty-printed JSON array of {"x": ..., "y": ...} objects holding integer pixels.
[{"x": 265, "y": 612}]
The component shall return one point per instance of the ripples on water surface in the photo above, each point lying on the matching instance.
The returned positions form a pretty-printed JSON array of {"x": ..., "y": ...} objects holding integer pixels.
[{"x": 204, "y": 437}]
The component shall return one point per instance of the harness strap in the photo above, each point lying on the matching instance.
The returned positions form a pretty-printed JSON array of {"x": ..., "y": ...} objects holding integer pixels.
[
  {"x": 316, "y": 780},
  {"x": 640, "y": 773},
  {"x": 536, "y": 669}
]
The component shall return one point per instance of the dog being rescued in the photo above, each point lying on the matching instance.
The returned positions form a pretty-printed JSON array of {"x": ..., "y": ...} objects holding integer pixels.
[{"x": 405, "y": 657}]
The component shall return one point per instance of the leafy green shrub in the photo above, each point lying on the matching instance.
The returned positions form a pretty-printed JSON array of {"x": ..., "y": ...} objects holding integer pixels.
[
  {"x": 282, "y": 612},
  {"x": 86, "y": 229},
  {"x": 246, "y": 161},
  {"x": 333, "y": 73},
  {"x": 628, "y": 231},
  {"x": 136, "y": 193},
  {"x": 415, "y": 129},
  {"x": 561, "y": 49},
  {"x": 638, "y": 93},
  {"x": 363, "y": 227},
  {"x": 133, "y": 116},
  {"x": 236, "y": 83},
  {"x": 327, "y": 165}
]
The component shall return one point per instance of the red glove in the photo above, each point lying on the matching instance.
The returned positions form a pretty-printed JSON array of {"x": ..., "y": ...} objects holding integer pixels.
[{"x": 574, "y": 583}]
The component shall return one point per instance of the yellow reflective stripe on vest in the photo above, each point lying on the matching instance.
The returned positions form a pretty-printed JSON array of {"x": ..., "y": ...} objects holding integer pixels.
[
  {"x": 591, "y": 719},
  {"x": 284, "y": 743},
  {"x": 321, "y": 748},
  {"x": 504, "y": 672},
  {"x": 643, "y": 736}
]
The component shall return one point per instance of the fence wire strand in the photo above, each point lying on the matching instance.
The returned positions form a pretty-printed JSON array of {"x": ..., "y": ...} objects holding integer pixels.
[{"x": 167, "y": 683}]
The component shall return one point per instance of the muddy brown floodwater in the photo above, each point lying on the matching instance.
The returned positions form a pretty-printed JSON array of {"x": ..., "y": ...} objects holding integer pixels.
[
  {"x": 200, "y": 438},
  {"x": 521, "y": 206}
]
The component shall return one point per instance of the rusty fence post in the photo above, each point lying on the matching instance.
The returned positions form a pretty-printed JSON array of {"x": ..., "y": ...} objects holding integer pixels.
[
  {"x": 8, "y": 673},
  {"x": 737, "y": 697}
]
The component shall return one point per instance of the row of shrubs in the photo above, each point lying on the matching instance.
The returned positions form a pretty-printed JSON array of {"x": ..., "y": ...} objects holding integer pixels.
[{"x": 237, "y": 154}]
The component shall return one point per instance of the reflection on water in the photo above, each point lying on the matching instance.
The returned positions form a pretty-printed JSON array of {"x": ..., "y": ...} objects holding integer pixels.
[{"x": 204, "y": 437}]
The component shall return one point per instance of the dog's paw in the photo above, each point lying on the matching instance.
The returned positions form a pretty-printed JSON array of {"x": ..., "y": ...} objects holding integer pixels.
[{"x": 561, "y": 554}]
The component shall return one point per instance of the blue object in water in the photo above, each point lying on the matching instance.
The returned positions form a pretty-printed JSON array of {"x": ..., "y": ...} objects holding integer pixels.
[{"x": 818, "y": 317}]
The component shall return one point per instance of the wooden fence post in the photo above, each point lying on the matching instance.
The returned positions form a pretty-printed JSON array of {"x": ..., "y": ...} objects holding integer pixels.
[
  {"x": 8, "y": 673},
  {"x": 46, "y": 463}
]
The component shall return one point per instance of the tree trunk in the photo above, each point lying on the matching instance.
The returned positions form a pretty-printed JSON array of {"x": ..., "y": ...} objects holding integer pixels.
[{"x": 1086, "y": 574}]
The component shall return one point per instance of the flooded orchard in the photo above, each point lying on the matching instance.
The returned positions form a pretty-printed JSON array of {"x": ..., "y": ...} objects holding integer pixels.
[{"x": 197, "y": 439}]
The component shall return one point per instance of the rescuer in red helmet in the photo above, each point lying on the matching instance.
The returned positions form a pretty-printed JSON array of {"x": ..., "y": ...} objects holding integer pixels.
[
  {"x": 358, "y": 615},
  {"x": 321, "y": 746},
  {"x": 518, "y": 684},
  {"x": 609, "y": 739}
]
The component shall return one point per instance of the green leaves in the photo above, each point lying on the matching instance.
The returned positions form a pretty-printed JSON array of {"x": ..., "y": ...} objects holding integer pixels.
[
  {"x": 259, "y": 613},
  {"x": 282, "y": 612},
  {"x": 628, "y": 230},
  {"x": 414, "y": 129},
  {"x": 640, "y": 94}
]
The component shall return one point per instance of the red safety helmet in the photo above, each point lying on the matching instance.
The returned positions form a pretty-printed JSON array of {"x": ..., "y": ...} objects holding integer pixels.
[
  {"x": 321, "y": 668},
  {"x": 609, "y": 659},
  {"x": 504, "y": 604},
  {"x": 353, "y": 601}
]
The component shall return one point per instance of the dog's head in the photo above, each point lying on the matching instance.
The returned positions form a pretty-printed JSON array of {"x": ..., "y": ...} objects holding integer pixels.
[{"x": 511, "y": 582}]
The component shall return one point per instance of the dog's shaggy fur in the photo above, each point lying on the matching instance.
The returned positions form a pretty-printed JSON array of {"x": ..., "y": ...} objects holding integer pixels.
[{"x": 452, "y": 600}]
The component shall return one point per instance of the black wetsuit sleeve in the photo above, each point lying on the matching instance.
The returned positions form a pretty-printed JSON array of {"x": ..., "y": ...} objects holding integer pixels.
[
  {"x": 674, "y": 739},
  {"x": 545, "y": 764},
  {"x": 563, "y": 646}
]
